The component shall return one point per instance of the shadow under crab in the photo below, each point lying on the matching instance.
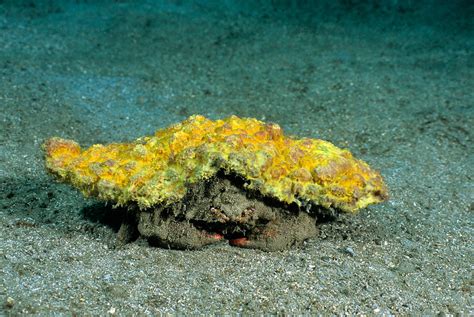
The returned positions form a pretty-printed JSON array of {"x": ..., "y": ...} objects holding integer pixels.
[{"x": 222, "y": 209}]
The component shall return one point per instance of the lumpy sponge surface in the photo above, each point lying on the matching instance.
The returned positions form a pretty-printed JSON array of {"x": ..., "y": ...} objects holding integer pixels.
[{"x": 158, "y": 169}]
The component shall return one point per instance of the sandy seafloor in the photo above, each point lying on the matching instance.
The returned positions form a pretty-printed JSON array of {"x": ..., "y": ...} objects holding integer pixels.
[{"x": 392, "y": 82}]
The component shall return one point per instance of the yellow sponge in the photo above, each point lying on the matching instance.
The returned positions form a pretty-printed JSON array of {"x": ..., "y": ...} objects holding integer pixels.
[{"x": 158, "y": 169}]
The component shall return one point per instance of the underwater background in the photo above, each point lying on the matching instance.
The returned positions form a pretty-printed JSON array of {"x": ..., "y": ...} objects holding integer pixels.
[{"x": 392, "y": 81}]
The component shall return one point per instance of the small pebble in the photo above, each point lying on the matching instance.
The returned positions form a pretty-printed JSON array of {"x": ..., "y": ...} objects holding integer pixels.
[
  {"x": 10, "y": 302},
  {"x": 349, "y": 251}
]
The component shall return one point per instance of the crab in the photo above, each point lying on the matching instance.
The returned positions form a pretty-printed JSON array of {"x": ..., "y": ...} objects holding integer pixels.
[
  {"x": 200, "y": 181},
  {"x": 217, "y": 210}
]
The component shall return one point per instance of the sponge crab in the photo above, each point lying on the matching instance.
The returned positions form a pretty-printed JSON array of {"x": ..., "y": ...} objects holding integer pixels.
[{"x": 201, "y": 181}]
